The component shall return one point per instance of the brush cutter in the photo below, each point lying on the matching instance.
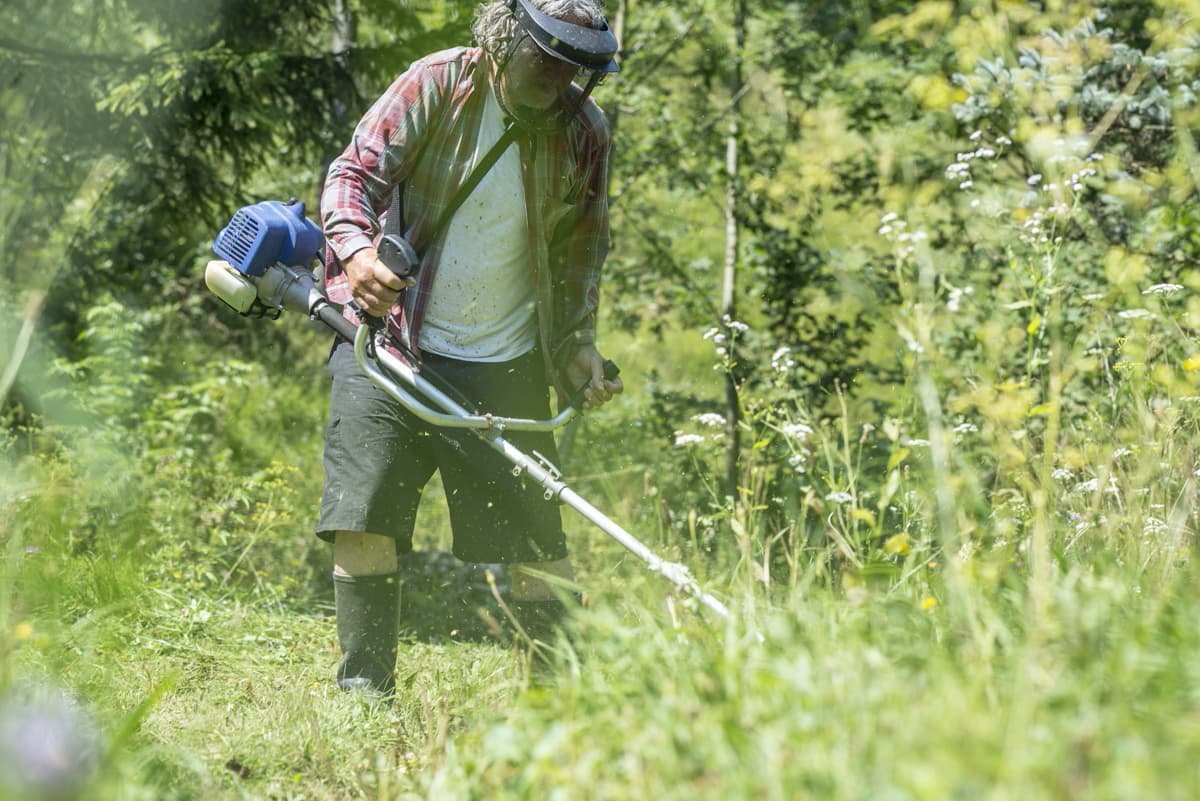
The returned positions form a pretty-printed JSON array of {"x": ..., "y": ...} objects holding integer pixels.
[{"x": 266, "y": 252}]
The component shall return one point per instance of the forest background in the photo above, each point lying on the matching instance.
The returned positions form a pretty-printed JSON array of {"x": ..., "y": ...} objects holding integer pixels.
[{"x": 906, "y": 301}]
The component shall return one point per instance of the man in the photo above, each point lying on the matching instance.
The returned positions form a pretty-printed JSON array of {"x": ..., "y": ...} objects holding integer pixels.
[{"x": 502, "y": 306}]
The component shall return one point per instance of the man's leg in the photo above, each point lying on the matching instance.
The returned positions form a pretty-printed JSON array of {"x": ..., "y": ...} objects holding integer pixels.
[
  {"x": 376, "y": 463},
  {"x": 496, "y": 515},
  {"x": 367, "y": 594}
]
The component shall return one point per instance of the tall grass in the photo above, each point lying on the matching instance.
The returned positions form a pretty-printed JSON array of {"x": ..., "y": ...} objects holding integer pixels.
[{"x": 949, "y": 610}]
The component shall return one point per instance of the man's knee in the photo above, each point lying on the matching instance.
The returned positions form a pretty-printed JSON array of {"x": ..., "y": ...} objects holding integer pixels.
[{"x": 356, "y": 553}]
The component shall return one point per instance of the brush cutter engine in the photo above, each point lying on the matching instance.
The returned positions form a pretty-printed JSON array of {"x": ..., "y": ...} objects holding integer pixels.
[{"x": 266, "y": 251}]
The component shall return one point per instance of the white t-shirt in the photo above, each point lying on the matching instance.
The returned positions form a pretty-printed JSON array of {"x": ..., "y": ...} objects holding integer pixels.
[{"x": 481, "y": 303}]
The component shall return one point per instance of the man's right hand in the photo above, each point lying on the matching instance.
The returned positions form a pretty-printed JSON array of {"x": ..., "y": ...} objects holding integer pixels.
[{"x": 372, "y": 285}]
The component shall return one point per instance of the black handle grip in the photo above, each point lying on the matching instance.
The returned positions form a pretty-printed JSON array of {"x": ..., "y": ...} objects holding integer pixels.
[
  {"x": 334, "y": 321},
  {"x": 611, "y": 372},
  {"x": 398, "y": 255}
]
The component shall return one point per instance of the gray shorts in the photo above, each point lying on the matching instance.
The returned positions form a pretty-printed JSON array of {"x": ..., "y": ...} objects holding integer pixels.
[{"x": 379, "y": 456}]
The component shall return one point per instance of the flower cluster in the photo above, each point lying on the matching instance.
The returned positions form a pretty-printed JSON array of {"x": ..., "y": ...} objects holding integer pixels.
[{"x": 895, "y": 230}]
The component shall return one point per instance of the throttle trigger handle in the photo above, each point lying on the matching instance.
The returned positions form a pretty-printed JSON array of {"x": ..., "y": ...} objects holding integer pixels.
[{"x": 398, "y": 255}]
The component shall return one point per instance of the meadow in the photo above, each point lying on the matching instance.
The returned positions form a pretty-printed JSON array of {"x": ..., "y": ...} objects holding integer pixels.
[
  {"x": 1051, "y": 655},
  {"x": 959, "y": 534}
]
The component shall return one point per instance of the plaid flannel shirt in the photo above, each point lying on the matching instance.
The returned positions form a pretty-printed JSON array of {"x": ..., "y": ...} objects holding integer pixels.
[{"x": 422, "y": 134}]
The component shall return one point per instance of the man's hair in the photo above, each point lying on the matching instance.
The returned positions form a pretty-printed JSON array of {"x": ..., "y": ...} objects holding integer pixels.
[{"x": 495, "y": 26}]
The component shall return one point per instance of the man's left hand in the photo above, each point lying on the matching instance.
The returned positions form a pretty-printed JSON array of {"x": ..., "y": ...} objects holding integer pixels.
[{"x": 588, "y": 368}]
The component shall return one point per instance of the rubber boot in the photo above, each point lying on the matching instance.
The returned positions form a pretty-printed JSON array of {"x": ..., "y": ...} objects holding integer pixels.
[{"x": 368, "y": 616}]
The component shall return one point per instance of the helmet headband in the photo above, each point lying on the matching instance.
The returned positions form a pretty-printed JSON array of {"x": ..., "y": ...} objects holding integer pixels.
[{"x": 589, "y": 48}]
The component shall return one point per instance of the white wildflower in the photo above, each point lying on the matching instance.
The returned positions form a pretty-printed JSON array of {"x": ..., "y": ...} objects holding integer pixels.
[
  {"x": 683, "y": 440},
  {"x": 1061, "y": 474},
  {"x": 840, "y": 497},
  {"x": 1034, "y": 179},
  {"x": 710, "y": 419},
  {"x": 1119, "y": 452},
  {"x": 1091, "y": 485},
  {"x": 954, "y": 301},
  {"x": 1154, "y": 526},
  {"x": 1163, "y": 289},
  {"x": 796, "y": 431},
  {"x": 887, "y": 218},
  {"x": 1136, "y": 314},
  {"x": 740, "y": 327},
  {"x": 916, "y": 443}
]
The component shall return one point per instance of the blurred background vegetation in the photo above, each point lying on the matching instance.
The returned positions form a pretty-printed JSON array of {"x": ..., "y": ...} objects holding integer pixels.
[{"x": 906, "y": 301}]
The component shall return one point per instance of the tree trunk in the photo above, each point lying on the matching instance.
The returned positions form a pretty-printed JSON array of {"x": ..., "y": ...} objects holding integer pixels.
[
  {"x": 344, "y": 32},
  {"x": 729, "y": 279}
]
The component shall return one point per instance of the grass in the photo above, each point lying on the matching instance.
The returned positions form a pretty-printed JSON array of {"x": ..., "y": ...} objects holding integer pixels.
[
  {"x": 864, "y": 694},
  {"x": 1056, "y": 667}
]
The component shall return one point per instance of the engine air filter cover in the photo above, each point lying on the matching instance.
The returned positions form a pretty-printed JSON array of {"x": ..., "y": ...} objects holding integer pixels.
[{"x": 269, "y": 232}]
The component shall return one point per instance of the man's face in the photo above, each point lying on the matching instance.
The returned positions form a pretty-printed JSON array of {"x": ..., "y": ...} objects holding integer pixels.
[{"x": 535, "y": 79}]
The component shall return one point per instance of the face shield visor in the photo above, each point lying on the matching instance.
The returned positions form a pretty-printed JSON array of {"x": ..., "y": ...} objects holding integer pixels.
[{"x": 591, "y": 51}]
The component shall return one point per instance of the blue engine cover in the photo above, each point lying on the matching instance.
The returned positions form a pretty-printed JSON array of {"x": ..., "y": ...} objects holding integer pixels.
[{"x": 268, "y": 232}]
